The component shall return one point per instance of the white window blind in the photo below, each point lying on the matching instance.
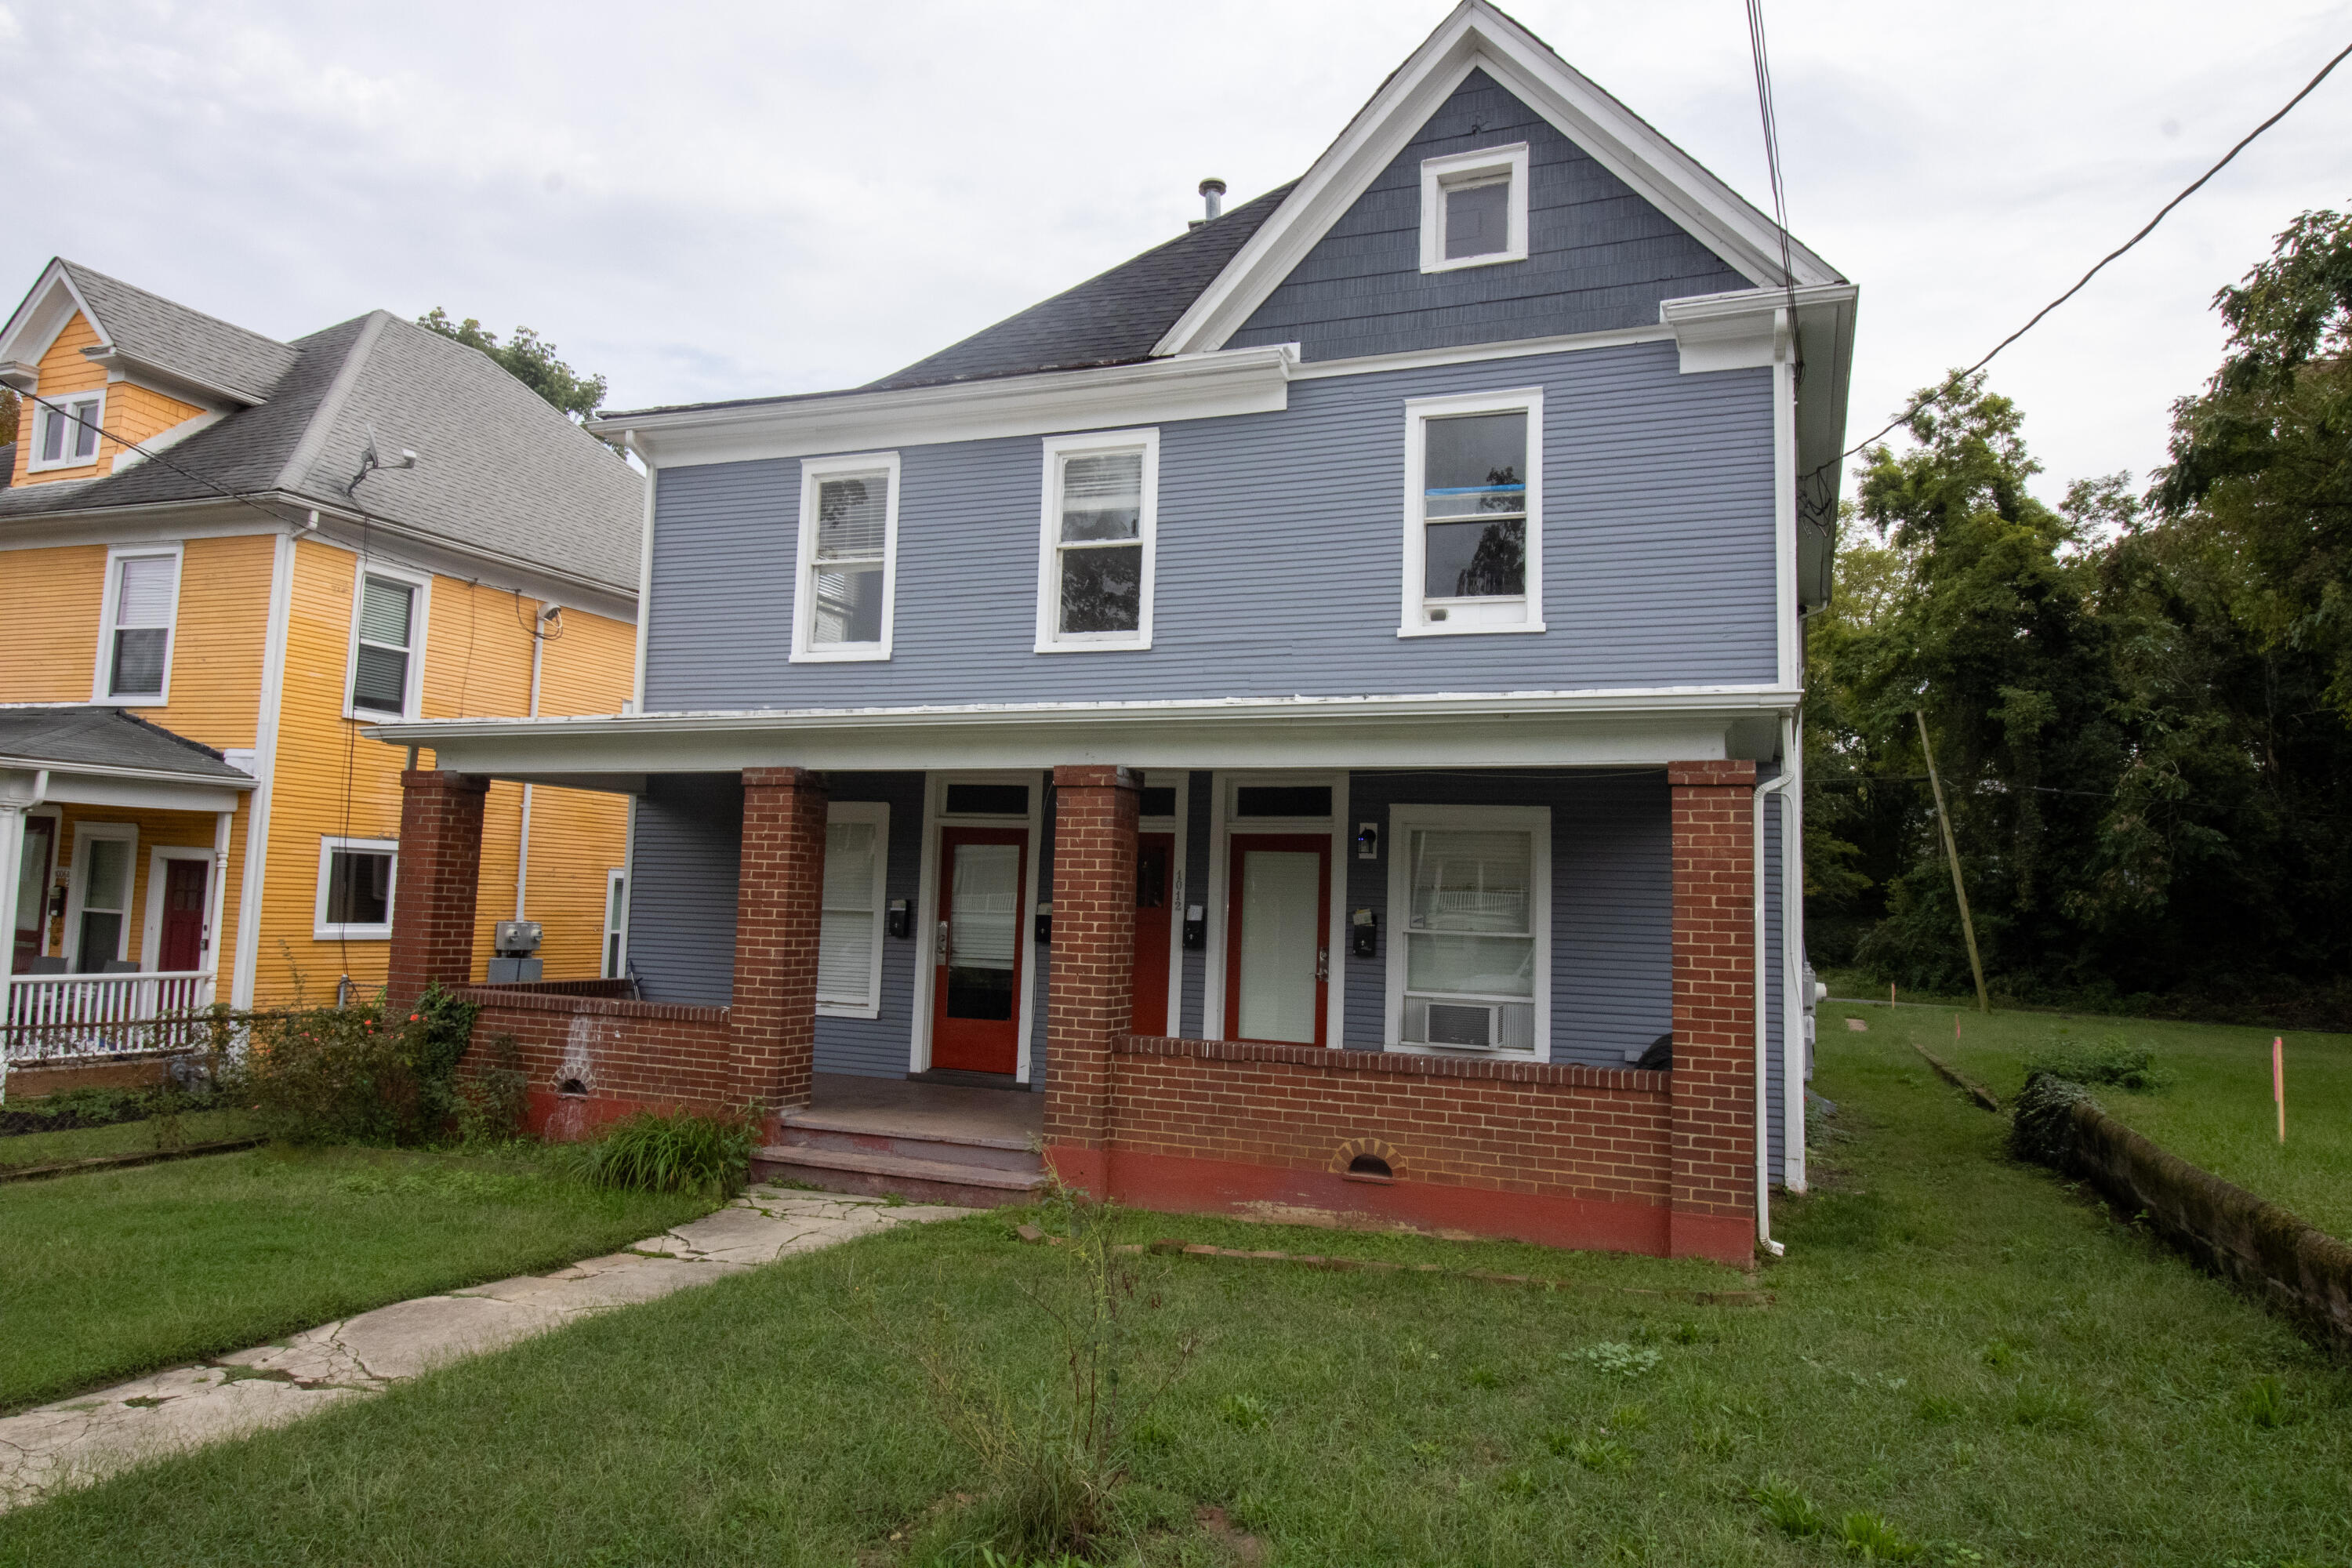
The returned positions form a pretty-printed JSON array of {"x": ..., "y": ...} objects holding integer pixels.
[
  {"x": 1100, "y": 550},
  {"x": 847, "y": 949},
  {"x": 379, "y": 672},
  {"x": 853, "y": 515},
  {"x": 145, "y": 589},
  {"x": 1470, "y": 936}
]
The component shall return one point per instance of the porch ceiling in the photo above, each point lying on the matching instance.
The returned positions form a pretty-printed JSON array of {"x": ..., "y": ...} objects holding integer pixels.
[{"x": 1472, "y": 730}]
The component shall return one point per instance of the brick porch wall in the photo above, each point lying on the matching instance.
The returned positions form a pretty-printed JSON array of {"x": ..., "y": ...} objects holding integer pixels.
[
  {"x": 433, "y": 900},
  {"x": 1090, "y": 982},
  {"x": 1714, "y": 1012},
  {"x": 623, "y": 1056}
]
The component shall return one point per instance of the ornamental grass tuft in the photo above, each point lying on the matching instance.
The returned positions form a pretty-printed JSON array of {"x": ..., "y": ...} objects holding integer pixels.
[{"x": 682, "y": 1152}]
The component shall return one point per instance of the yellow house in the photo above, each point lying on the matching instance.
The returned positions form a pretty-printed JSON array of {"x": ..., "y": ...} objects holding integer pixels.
[{"x": 221, "y": 556}]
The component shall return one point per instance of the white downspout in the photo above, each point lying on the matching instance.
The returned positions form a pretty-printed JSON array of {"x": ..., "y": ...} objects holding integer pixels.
[
  {"x": 222, "y": 823},
  {"x": 1764, "y": 1024},
  {"x": 522, "y": 834}
]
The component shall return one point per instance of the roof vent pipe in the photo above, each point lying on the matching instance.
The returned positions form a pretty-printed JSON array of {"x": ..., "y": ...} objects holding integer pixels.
[{"x": 1214, "y": 190}]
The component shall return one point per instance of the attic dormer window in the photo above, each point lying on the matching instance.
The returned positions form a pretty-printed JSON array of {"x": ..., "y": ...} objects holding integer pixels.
[
  {"x": 1474, "y": 209},
  {"x": 68, "y": 432}
]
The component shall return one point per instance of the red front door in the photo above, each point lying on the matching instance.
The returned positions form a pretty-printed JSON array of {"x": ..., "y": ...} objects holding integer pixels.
[
  {"x": 1155, "y": 861},
  {"x": 184, "y": 915},
  {"x": 32, "y": 892},
  {"x": 1278, "y": 938},
  {"x": 977, "y": 944}
]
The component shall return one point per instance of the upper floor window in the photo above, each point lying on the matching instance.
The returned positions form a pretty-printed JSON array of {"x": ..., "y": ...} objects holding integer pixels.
[
  {"x": 387, "y": 643},
  {"x": 1474, "y": 209},
  {"x": 68, "y": 432},
  {"x": 1101, "y": 521},
  {"x": 847, "y": 572},
  {"x": 143, "y": 591},
  {"x": 1473, "y": 514}
]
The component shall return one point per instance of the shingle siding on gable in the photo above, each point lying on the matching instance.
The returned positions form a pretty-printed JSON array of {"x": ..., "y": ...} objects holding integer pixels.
[
  {"x": 1599, "y": 257},
  {"x": 1280, "y": 537}
]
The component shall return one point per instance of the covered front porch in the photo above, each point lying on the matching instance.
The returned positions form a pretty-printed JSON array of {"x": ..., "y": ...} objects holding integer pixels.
[
  {"x": 120, "y": 835},
  {"x": 1230, "y": 987}
]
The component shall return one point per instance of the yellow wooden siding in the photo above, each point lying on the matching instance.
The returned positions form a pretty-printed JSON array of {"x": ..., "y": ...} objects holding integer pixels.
[
  {"x": 133, "y": 413},
  {"x": 49, "y": 633},
  {"x": 332, "y": 782},
  {"x": 166, "y": 829},
  {"x": 218, "y": 636}
]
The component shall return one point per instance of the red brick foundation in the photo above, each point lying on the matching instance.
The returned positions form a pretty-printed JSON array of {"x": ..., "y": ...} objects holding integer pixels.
[
  {"x": 1091, "y": 974},
  {"x": 1715, "y": 1018},
  {"x": 433, "y": 896},
  {"x": 780, "y": 893}
]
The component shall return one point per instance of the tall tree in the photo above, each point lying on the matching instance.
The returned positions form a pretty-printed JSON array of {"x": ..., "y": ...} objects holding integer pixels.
[
  {"x": 7, "y": 417},
  {"x": 528, "y": 359}
]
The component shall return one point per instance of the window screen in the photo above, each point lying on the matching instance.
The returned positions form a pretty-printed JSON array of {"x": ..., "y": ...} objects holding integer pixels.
[
  {"x": 852, "y": 523},
  {"x": 359, "y": 887},
  {"x": 1477, "y": 217},
  {"x": 143, "y": 588},
  {"x": 1470, "y": 946},
  {"x": 380, "y": 675}
]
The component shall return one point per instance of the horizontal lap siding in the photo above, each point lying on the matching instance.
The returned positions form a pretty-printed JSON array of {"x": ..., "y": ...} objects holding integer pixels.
[
  {"x": 689, "y": 834},
  {"x": 876, "y": 1047},
  {"x": 1611, "y": 901},
  {"x": 1200, "y": 792},
  {"x": 1599, "y": 257},
  {"x": 1279, "y": 555}
]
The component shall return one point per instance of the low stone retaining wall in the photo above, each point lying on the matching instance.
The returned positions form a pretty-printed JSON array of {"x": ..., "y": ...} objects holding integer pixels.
[
  {"x": 590, "y": 1060},
  {"x": 1564, "y": 1155},
  {"x": 2299, "y": 1269}
]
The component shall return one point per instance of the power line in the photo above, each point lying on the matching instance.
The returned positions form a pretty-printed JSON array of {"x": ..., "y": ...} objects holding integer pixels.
[{"x": 1952, "y": 382}]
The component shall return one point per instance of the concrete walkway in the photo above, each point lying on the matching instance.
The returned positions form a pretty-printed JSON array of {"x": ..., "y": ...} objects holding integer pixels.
[{"x": 77, "y": 1441}]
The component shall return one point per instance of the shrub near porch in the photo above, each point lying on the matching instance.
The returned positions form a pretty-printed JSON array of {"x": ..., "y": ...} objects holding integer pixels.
[{"x": 1960, "y": 1353}]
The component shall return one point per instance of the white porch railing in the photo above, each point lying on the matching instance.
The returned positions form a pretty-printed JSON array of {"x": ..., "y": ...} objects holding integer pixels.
[{"x": 54, "y": 1016}]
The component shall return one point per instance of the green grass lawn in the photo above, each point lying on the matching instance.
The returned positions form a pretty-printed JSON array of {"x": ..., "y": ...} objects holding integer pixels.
[
  {"x": 1960, "y": 1346},
  {"x": 122, "y": 1138},
  {"x": 2216, "y": 1112},
  {"x": 118, "y": 1272}
]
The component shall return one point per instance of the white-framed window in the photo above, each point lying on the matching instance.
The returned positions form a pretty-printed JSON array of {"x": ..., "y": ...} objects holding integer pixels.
[
  {"x": 615, "y": 963},
  {"x": 98, "y": 898},
  {"x": 849, "y": 932},
  {"x": 134, "y": 644},
  {"x": 1469, "y": 963},
  {"x": 1473, "y": 514},
  {"x": 1474, "y": 209},
  {"x": 846, "y": 580},
  {"x": 66, "y": 431},
  {"x": 387, "y": 660},
  {"x": 355, "y": 883},
  {"x": 1100, "y": 524}
]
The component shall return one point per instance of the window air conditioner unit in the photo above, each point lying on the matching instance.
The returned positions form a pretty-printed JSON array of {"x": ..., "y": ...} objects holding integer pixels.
[{"x": 1464, "y": 1023}]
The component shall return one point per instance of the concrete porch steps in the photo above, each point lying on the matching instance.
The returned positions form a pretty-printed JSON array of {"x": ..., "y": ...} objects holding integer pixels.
[{"x": 876, "y": 1173}]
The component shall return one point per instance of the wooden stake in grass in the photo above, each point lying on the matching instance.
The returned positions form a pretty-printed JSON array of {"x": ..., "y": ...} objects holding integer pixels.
[
  {"x": 1952, "y": 853},
  {"x": 2278, "y": 1080}
]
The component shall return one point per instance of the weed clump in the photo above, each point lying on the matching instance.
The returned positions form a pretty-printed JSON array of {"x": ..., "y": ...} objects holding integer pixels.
[
  {"x": 2114, "y": 1062},
  {"x": 354, "y": 1075},
  {"x": 1613, "y": 1359},
  {"x": 1786, "y": 1509},
  {"x": 684, "y": 1152}
]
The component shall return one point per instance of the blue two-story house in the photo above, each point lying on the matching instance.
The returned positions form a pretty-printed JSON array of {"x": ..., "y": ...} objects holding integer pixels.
[{"x": 1331, "y": 681}]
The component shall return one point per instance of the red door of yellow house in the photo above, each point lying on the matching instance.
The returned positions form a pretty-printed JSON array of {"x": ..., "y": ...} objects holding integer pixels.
[
  {"x": 183, "y": 943},
  {"x": 976, "y": 1000},
  {"x": 1277, "y": 943}
]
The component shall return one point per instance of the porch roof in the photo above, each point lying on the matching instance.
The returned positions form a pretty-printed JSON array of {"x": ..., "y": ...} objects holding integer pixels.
[
  {"x": 106, "y": 756},
  {"x": 1516, "y": 729}
]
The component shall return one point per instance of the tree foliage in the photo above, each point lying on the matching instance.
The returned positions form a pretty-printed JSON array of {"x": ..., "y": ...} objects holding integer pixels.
[
  {"x": 2139, "y": 707},
  {"x": 7, "y": 417},
  {"x": 528, "y": 359}
]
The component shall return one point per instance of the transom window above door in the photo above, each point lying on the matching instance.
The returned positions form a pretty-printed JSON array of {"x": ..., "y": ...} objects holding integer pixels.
[
  {"x": 847, "y": 574},
  {"x": 1100, "y": 525},
  {"x": 1473, "y": 514}
]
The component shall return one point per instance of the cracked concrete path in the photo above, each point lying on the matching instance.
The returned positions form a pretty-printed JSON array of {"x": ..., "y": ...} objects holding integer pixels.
[{"x": 77, "y": 1441}]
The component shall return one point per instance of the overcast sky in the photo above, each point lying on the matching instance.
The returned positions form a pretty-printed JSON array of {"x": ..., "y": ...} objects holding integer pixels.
[{"x": 724, "y": 201}]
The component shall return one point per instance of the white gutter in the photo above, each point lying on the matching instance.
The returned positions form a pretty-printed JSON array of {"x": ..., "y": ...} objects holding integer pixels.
[
  {"x": 1763, "y": 1022},
  {"x": 523, "y": 833}
]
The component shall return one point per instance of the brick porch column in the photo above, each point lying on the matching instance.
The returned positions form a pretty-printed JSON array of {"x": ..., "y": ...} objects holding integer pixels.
[
  {"x": 433, "y": 897},
  {"x": 1714, "y": 1212},
  {"x": 779, "y": 894},
  {"x": 1090, "y": 977}
]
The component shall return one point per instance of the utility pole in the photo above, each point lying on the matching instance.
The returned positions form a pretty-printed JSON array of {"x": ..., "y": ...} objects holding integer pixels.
[{"x": 1952, "y": 854}]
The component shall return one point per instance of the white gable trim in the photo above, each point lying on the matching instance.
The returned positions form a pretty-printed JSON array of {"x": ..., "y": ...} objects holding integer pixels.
[
  {"x": 48, "y": 305},
  {"x": 1478, "y": 37}
]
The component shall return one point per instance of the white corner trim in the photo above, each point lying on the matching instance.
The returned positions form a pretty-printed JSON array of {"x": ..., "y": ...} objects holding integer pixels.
[
  {"x": 1416, "y": 612},
  {"x": 815, "y": 471},
  {"x": 1478, "y": 37},
  {"x": 1050, "y": 638},
  {"x": 1155, "y": 391},
  {"x": 248, "y": 962},
  {"x": 1742, "y": 329},
  {"x": 1440, "y": 175}
]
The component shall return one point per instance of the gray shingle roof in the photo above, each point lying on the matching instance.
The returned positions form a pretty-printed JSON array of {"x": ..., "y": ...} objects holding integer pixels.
[
  {"x": 497, "y": 467},
  {"x": 168, "y": 334},
  {"x": 107, "y": 738},
  {"x": 1114, "y": 318}
]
